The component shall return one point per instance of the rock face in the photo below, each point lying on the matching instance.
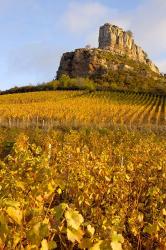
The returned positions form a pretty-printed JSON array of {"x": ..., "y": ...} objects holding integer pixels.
[
  {"x": 81, "y": 63},
  {"x": 117, "y": 51},
  {"x": 118, "y": 41}
]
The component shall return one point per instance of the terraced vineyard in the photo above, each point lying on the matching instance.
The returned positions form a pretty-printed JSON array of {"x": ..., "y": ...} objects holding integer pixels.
[{"x": 83, "y": 109}]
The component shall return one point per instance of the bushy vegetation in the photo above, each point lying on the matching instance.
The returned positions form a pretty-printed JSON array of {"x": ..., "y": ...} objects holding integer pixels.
[
  {"x": 83, "y": 190},
  {"x": 64, "y": 83},
  {"x": 136, "y": 77},
  {"x": 114, "y": 80}
]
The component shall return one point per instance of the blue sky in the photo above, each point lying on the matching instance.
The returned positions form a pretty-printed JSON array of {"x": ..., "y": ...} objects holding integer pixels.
[{"x": 35, "y": 33}]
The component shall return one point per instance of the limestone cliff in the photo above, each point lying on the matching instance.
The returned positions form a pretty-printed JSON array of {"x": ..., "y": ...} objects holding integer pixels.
[
  {"x": 117, "y": 52},
  {"x": 118, "y": 41}
]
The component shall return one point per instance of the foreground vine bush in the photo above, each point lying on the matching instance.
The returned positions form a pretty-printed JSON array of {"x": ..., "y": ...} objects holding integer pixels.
[{"x": 84, "y": 190}]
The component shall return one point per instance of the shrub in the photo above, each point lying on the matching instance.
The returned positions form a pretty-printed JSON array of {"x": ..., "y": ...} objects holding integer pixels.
[{"x": 64, "y": 80}]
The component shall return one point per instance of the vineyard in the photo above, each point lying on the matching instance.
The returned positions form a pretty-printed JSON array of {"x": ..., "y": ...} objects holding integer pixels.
[
  {"x": 82, "y": 170},
  {"x": 76, "y": 109},
  {"x": 95, "y": 190}
]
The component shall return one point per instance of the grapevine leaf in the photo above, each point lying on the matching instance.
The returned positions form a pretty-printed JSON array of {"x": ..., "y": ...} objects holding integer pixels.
[
  {"x": 59, "y": 210},
  {"x": 12, "y": 203},
  {"x": 44, "y": 245},
  {"x": 52, "y": 245},
  {"x": 20, "y": 184},
  {"x": 116, "y": 245},
  {"x": 74, "y": 235},
  {"x": 38, "y": 232},
  {"x": 91, "y": 230},
  {"x": 117, "y": 240},
  {"x": 164, "y": 211},
  {"x": 16, "y": 239},
  {"x": 151, "y": 229},
  {"x": 85, "y": 244},
  {"x": 3, "y": 227},
  {"x": 117, "y": 237},
  {"x": 74, "y": 219},
  {"x": 15, "y": 214}
]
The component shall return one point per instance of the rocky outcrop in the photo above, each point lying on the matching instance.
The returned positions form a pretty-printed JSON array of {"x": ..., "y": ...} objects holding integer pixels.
[
  {"x": 117, "y": 52},
  {"x": 118, "y": 41},
  {"x": 81, "y": 63}
]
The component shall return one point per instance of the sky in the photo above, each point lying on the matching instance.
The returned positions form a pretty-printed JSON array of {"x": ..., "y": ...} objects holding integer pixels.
[{"x": 35, "y": 33}]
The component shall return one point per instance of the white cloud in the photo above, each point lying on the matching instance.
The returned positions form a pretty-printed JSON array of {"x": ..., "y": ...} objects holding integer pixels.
[{"x": 83, "y": 17}]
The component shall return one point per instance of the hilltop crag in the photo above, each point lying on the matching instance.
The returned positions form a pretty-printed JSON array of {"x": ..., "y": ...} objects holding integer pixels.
[{"x": 117, "y": 52}]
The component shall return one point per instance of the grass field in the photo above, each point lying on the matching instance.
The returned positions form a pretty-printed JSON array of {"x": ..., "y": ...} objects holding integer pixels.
[
  {"x": 76, "y": 109},
  {"x": 76, "y": 173}
]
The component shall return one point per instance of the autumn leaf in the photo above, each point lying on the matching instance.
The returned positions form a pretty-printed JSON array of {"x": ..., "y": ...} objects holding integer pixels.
[
  {"x": 74, "y": 219},
  {"x": 91, "y": 230},
  {"x": 44, "y": 245},
  {"x": 15, "y": 214},
  {"x": 74, "y": 235},
  {"x": 116, "y": 245}
]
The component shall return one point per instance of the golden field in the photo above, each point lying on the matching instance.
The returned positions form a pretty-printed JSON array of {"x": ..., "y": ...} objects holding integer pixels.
[
  {"x": 82, "y": 170},
  {"x": 82, "y": 109}
]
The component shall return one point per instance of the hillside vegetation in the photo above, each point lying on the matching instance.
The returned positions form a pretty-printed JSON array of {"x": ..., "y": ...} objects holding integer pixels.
[{"x": 129, "y": 75}]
